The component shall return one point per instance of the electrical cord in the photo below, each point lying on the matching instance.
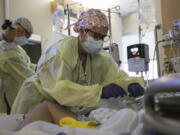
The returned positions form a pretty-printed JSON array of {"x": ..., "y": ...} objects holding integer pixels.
[
  {"x": 157, "y": 46},
  {"x": 155, "y": 49}
]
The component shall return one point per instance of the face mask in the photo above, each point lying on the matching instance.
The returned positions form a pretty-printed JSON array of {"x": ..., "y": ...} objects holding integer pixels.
[
  {"x": 21, "y": 40},
  {"x": 92, "y": 46}
]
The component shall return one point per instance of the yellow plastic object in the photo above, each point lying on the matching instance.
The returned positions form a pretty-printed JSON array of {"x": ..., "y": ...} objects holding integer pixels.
[{"x": 73, "y": 123}]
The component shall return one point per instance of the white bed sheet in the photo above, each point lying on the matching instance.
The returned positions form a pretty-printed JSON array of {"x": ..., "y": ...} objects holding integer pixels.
[{"x": 124, "y": 122}]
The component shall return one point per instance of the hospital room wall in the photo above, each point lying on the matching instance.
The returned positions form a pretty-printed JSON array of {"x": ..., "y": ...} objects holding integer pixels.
[
  {"x": 38, "y": 11},
  {"x": 130, "y": 23},
  {"x": 1, "y": 12}
]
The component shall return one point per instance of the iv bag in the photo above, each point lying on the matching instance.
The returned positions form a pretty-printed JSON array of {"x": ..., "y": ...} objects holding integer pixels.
[
  {"x": 147, "y": 12},
  {"x": 58, "y": 19}
]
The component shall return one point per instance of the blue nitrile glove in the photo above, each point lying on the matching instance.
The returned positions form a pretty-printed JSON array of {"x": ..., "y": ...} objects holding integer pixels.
[
  {"x": 135, "y": 90},
  {"x": 113, "y": 90},
  {"x": 61, "y": 133}
]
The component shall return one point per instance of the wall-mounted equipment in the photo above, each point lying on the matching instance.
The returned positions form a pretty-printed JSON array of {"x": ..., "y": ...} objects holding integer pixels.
[
  {"x": 138, "y": 57},
  {"x": 175, "y": 32},
  {"x": 173, "y": 36},
  {"x": 171, "y": 44},
  {"x": 114, "y": 51}
]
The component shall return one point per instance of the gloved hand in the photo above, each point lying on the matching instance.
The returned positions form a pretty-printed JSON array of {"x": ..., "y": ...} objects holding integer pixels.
[
  {"x": 135, "y": 90},
  {"x": 113, "y": 90}
]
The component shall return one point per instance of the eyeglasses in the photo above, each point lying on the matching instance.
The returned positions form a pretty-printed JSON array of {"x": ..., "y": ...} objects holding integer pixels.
[
  {"x": 28, "y": 34},
  {"x": 96, "y": 35}
]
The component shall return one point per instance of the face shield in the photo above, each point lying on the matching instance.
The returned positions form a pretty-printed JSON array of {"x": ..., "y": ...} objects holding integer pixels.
[{"x": 24, "y": 24}]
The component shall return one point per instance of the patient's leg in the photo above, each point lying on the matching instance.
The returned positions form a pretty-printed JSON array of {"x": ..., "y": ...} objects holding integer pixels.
[{"x": 47, "y": 111}]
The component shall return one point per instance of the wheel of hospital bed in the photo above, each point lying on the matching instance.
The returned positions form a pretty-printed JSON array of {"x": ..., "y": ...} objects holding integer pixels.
[
  {"x": 162, "y": 114},
  {"x": 10, "y": 122}
]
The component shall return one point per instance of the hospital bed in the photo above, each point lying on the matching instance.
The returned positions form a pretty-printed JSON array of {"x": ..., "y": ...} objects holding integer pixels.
[
  {"x": 155, "y": 120},
  {"x": 123, "y": 122}
]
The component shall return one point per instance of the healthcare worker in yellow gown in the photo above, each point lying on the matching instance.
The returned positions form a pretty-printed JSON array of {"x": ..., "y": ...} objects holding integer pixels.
[
  {"x": 77, "y": 72},
  {"x": 15, "y": 65}
]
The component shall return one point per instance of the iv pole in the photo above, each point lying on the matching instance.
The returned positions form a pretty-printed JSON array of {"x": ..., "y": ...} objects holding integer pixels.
[
  {"x": 68, "y": 16},
  {"x": 109, "y": 18},
  {"x": 68, "y": 20},
  {"x": 111, "y": 48},
  {"x": 110, "y": 31},
  {"x": 139, "y": 27}
]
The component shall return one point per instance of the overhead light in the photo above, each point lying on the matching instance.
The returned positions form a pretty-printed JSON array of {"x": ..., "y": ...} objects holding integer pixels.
[{"x": 80, "y": 1}]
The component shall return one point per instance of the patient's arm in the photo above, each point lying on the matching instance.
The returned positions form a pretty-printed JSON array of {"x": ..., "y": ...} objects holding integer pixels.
[{"x": 46, "y": 111}]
